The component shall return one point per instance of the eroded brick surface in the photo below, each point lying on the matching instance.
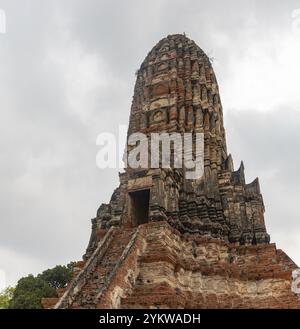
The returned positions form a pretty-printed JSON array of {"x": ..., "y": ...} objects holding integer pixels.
[{"x": 186, "y": 272}]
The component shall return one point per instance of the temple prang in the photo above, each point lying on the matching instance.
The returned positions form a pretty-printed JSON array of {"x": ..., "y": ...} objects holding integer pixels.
[
  {"x": 166, "y": 241},
  {"x": 176, "y": 91}
]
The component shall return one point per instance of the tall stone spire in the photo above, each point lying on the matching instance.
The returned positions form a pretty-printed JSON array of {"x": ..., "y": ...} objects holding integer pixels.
[
  {"x": 176, "y": 91},
  {"x": 165, "y": 241}
]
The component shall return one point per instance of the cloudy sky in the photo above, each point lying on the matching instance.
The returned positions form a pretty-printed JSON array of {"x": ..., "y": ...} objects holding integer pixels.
[{"x": 67, "y": 74}]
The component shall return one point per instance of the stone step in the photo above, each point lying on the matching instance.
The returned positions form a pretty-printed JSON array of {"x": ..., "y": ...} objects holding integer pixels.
[{"x": 96, "y": 279}]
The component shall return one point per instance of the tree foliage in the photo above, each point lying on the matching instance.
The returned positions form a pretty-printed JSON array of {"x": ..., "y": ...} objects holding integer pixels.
[
  {"x": 57, "y": 277},
  {"x": 30, "y": 290},
  {"x": 5, "y": 297}
]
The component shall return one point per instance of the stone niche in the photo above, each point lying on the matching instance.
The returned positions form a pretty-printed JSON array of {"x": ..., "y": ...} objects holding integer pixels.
[
  {"x": 160, "y": 89},
  {"x": 159, "y": 103}
]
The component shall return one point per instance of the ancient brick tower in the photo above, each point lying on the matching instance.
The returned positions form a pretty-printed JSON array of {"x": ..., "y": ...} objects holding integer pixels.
[{"x": 169, "y": 242}]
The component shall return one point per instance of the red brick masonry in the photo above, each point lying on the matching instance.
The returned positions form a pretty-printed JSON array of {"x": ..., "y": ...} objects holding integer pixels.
[{"x": 163, "y": 268}]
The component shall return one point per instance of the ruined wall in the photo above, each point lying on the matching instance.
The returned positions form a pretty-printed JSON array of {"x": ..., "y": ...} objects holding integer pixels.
[
  {"x": 162, "y": 268},
  {"x": 184, "y": 271}
]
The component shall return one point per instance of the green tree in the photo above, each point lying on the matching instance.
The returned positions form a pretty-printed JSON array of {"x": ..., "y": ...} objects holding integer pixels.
[
  {"x": 30, "y": 290},
  {"x": 5, "y": 297},
  {"x": 57, "y": 277}
]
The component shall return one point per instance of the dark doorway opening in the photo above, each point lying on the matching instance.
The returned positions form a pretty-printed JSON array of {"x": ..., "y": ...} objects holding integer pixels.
[{"x": 139, "y": 207}]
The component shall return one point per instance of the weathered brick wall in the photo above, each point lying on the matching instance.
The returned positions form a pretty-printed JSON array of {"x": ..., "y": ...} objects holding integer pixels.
[
  {"x": 182, "y": 271},
  {"x": 162, "y": 268}
]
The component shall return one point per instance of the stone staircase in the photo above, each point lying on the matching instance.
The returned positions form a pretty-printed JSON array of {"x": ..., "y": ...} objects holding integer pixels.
[{"x": 94, "y": 278}]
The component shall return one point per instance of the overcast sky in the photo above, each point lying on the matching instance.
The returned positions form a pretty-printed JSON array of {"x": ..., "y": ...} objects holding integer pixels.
[{"x": 67, "y": 74}]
